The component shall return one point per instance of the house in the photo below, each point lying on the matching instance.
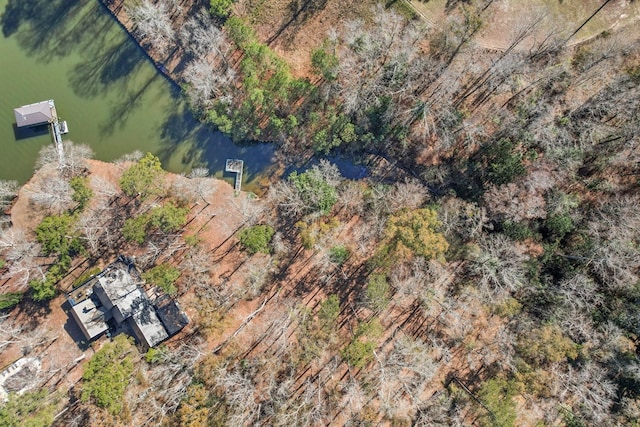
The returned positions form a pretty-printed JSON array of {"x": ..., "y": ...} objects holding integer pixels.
[
  {"x": 35, "y": 114},
  {"x": 114, "y": 300}
]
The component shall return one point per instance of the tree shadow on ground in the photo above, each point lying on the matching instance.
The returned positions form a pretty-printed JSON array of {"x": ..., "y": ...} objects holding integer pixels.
[{"x": 300, "y": 11}]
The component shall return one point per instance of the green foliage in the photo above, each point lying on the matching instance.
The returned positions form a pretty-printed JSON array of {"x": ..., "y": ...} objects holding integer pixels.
[
  {"x": 507, "y": 308},
  {"x": 163, "y": 276},
  {"x": 360, "y": 351},
  {"x": 517, "y": 230},
  {"x": 167, "y": 218},
  {"x": 135, "y": 229},
  {"x": 315, "y": 192},
  {"x": 193, "y": 240},
  {"x": 339, "y": 254},
  {"x": 546, "y": 345},
  {"x": 55, "y": 233},
  {"x": 497, "y": 394},
  {"x": 107, "y": 374},
  {"x": 10, "y": 299},
  {"x": 503, "y": 162},
  {"x": 332, "y": 129},
  {"x": 240, "y": 32},
  {"x": 570, "y": 419},
  {"x": 377, "y": 292},
  {"x": 329, "y": 311},
  {"x": 155, "y": 355},
  {"x": 30, "y": 409},
  {"x": 316, "y": 333},
  {"x": 82, "y": 194},
  {"x": 358, "y": 354},
  {"x": 86, "y": 276},
  {"x": 325, "y": 62},
  {"x": 143, "y": 178},
  {"x": 2, "y": 263},
  {"x": 414, "y": 232},
  {"x": 559, "y": 226},
  {"x": 42, "y": 289},
  {"x": 220, "y": 8},
  {"x": 256, "y": 238}
]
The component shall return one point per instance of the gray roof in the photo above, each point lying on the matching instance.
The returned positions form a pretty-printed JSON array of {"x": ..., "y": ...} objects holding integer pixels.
[
  {"x": 34, "y": 114},
  {"x": 172, "y": 316},
  {"x": 116, "y": 288},
  {"x": 147, "y": 326},
  {"x": 90, "y": 318}
]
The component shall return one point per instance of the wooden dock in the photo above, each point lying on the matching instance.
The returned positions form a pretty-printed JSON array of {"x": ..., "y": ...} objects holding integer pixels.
[{"x": 235, "y": 166}]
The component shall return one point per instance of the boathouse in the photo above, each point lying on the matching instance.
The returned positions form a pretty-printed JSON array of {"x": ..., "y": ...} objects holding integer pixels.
[{"x": 35, "y": 114}]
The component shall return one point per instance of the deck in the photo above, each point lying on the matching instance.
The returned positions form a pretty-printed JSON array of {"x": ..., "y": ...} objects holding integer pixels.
[{"x": 235, "y": 166}]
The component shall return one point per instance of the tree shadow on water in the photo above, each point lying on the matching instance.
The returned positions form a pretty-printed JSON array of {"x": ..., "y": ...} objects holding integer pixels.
[
  {"x": 120, "y": 112},
  {"x": 101, "y": 69},
  {"x": 203, "y": 145},
  {"x": 38, "y": 23}
]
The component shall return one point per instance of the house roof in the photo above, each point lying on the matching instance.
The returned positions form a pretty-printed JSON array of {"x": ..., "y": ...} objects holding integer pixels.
[
  {"x": 172, "y": 317},
  {"x": 115, "y": 294},
  {"x": 34, "y": 114},
  {"x": 116, "y": 288},
  {"x": 147, "y": 325},
  {"x": 91, "y": 318}
]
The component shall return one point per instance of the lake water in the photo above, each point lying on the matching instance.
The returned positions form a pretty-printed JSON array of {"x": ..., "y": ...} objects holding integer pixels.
[{"x": 110, "y": 94}]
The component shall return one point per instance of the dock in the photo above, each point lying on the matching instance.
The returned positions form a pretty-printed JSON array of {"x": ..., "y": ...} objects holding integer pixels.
[
  {"x": 41, "y": 113},
  {"x": 235, "y": 166}
]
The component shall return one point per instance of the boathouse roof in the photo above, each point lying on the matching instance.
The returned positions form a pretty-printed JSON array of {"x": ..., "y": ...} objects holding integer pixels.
[{"x": 34, "y": 114}]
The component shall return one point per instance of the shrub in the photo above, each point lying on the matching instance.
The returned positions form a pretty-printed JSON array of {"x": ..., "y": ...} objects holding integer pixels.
[
  {"x": 339, "y": 254},
  {"x": 86, "y": 276},
  {"x": 82, "y": 194},
  {"x": 10, "y": 299},
  {"x": 377, "y": 293},
  {"x": 360, "y": 351},
  {"x": 256, "y": 238},
  {"x": 220, "y": 8},
  {"x": 504, "y": 163},
  {"x": 42, "y": 289},
  {"x": 143, "y": 178},
  {"x": 163, "y": 276},
  {"x": 559, "y": 225},
  {"x": 315, "y": 192},
  {"x": 107, "y": 375}
]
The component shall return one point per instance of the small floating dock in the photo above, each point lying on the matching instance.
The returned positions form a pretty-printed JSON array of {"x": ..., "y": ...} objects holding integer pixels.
[
  {"x": 235, "y": 166},
  {"x": 41, "y": 113}
]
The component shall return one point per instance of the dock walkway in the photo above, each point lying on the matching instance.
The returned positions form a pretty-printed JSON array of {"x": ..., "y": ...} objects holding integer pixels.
[
  {"x": 57, "y": 135},
  {"x": 235, "y": 166}
]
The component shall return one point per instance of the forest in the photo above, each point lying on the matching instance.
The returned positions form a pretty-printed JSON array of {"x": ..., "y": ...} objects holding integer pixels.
[{"x": 485, "y": 272}]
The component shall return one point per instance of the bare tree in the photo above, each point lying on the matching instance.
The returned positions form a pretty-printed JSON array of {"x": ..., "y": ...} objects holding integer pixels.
[
  {"x": 52, "y": 193},
  {"x": 205, "y": 82},
  {"x": 8, "y": 191},
  {"x": 75, "y": 156},
  {"x": 153, "y": 24},
  {"x": 499, "y": 267}
]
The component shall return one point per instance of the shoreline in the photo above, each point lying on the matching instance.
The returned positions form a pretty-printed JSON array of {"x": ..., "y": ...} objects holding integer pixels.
[{"x": 119, "y": 15}]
